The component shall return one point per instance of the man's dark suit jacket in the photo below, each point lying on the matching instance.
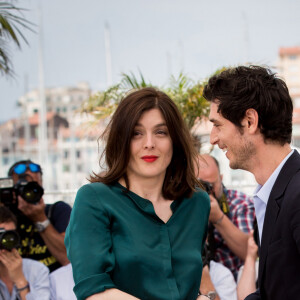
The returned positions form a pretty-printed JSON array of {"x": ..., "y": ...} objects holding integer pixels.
[{"x": 279, "y": 264}]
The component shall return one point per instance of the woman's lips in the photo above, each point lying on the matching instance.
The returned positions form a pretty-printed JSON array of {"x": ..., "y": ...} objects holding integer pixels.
[{"x": 150, "y": 158}]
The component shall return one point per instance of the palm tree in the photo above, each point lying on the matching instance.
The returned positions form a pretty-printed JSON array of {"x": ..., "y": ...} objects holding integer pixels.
[
  {"x": 10, "y": 22},
  {"x": 187, "y": 95},
  {"x": 103, "y": 104}
]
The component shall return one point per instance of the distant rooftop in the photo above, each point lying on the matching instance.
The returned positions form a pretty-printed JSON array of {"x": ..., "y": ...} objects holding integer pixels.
[
  {"x": 296, "y": 116},
  {"x": 289, "y": 50},
  {"x": 35, "y": 118}
]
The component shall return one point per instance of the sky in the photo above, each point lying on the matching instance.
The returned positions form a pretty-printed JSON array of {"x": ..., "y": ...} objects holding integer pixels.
[{"x": 159, "y": 38}]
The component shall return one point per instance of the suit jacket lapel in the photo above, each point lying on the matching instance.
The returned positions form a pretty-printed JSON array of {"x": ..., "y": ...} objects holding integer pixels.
[
  {"x": 273, "y": 207},
  {"x": 269, "y": 223}
]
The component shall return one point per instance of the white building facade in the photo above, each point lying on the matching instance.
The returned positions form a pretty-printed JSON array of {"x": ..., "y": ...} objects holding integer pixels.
[
  {"x": 289, "y": 69},
  {"x": 72, "y": 148}
]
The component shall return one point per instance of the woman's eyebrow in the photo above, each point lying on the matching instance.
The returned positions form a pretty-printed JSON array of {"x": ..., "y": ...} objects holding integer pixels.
[
  {"x": 160, "y": 124},
  {"x": 157, "y": 125}
]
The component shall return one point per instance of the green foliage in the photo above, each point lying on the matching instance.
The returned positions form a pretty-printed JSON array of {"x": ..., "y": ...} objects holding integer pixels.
[
  {"x": 129, "y": 81},
  {"x": 10, "y": 22},
  {"x": 186, "y": 93},
  {"x": 103, "y": 104}
]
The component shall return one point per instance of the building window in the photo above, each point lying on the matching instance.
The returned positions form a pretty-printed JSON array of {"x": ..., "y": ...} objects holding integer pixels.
[
  {"x": 296, "y": 140},
  {"x": 79, "y": 168},
  {"x": 66, "y": 168},
  {"x": 66, "y": 154},
  {"x": 292, "y": 57},
  {"x": 78, "y": 154}
]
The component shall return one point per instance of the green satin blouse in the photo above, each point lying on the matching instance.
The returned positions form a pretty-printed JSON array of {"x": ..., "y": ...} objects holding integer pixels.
[{"x": 115, "y": 240}]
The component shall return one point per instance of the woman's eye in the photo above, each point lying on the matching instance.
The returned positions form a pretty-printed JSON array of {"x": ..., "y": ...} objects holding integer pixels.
[
  {"x": 161, "y": 132},
  {"x": 136, "y": 133}
]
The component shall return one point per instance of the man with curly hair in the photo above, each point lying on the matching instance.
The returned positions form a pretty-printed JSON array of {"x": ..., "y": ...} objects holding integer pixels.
[{"x": 251, "y": 112}]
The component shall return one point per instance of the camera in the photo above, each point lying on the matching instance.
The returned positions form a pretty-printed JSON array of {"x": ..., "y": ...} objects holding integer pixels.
[
  {"x": 30, "y": 191},
  {"x": 9, "y": 239},
  {"x": 207, "y": 255},
  {"x": 6, "y": 190},
  {"x": 208, "y": 187}
]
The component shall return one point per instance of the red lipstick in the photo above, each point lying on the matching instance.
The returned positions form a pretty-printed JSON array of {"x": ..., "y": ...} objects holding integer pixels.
[{"x": 150, "y": 158}]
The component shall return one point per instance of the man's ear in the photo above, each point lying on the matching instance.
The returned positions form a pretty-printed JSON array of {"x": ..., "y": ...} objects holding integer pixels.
[{"x": 250, "y": 120}]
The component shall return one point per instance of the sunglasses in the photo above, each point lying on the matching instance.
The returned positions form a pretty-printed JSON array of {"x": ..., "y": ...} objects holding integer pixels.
[{"x": 23, "y": 167}]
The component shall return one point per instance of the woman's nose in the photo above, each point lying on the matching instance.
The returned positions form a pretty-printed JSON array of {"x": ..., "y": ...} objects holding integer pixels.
[{"x": 149, "y": 142}]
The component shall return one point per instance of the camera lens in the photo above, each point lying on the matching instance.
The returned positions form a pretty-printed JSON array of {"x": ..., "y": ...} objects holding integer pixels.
[
  {"x": 9, "y": 240},
  {"x": 32, "y": 192},
  {"x": 208, "y": 187}
]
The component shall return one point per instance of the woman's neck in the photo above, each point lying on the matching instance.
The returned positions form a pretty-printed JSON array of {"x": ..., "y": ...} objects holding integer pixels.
[{"x": 148, "y": 188}]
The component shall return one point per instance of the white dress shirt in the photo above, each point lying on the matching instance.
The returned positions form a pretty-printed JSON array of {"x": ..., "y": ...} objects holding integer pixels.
[
  {"x": 223, "y": 281},
  {"x": 62, "y": 283},
  {"x": 262, "y": 194}
]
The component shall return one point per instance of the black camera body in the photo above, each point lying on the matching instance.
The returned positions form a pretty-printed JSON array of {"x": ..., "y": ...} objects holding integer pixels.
[
  {"x": 9, "y": 239},
  {"x": 207, "y": 255},
  {"x": 208, "y": 187},
  {"x": 30, "y": 191},
  {"x": 6, "y": 191}
]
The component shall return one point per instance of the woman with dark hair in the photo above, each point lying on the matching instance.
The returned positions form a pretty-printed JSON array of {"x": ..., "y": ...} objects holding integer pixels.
[{"x": 137, "y": 231}]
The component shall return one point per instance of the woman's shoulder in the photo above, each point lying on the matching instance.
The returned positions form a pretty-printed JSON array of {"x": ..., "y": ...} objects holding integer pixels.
[
  {"x": 94, "y": 187},
  {"x": 96, "y": 191},
  {"x": 200, "y": 196}
]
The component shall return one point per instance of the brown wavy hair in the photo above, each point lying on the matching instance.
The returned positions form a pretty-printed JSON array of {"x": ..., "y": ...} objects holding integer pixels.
[
  {"x": 180, "y": 179},
  {"x": 235, "y": 90}
]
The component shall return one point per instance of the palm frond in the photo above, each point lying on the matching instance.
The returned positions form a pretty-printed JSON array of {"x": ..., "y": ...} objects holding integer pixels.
[
  {"x": 130, "y": 81},
  {"x": 185, "y": 92},
  {"x": 5, "y": 62},
  {"x": 11, "y": 20}
]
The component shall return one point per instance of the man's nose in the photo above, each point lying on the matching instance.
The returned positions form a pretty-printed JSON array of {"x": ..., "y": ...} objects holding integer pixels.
[{"x": 213, "y": 137}]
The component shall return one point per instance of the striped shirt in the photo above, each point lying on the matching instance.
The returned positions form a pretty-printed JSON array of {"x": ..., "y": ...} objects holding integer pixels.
[{"x": 242, "y": 214}]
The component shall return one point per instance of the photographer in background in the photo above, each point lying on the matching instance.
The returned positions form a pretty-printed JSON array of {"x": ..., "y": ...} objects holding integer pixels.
[
  {"x": 217, "y": 281},
  {"x": 62, "y": 284},
  {"x": 41, "y": 227},
  {"x": 20, "y": 279},
  {"x": 231, "y": 217}
]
